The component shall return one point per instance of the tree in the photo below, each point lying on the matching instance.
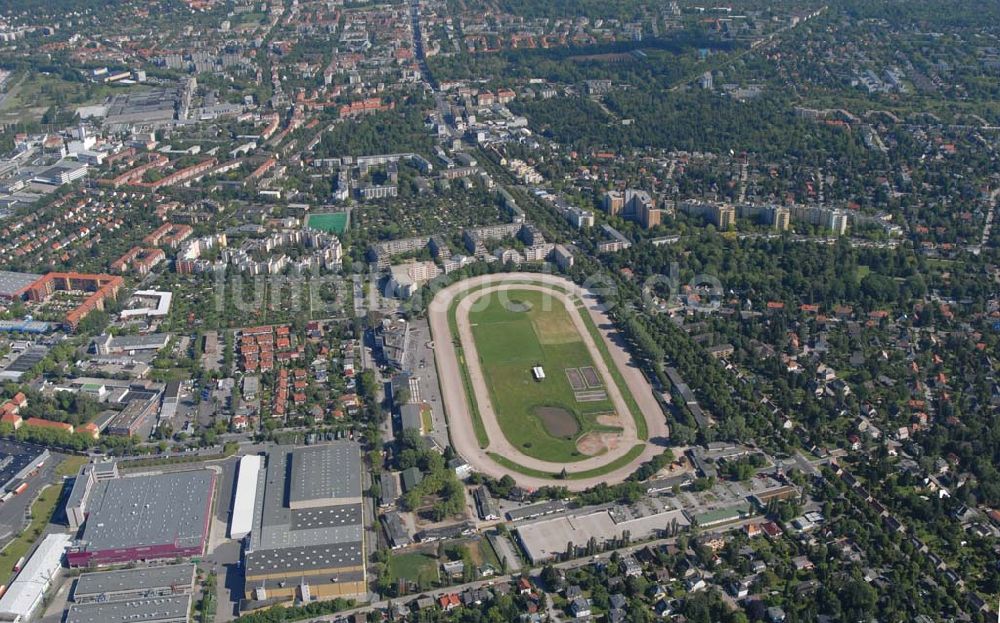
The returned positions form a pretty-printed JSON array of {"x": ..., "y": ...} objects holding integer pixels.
[{"x": 550, "y": 576}]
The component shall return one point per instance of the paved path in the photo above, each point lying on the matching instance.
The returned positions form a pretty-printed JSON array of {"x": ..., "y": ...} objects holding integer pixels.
[{"x": 463, "y": 435}]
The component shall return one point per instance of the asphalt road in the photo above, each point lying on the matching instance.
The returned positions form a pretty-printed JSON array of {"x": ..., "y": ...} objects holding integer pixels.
[{"x": 13, "y": 512}]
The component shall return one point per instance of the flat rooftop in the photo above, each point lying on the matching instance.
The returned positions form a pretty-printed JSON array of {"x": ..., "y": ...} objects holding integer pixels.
[
  {"x": 149, "y": 510},
  {"x": 135, "y": 580},
  {"x": 547, "y": 537},
  {"x": 11, "y": 283},
  {"x": 279, "y": 526},
  {"x": 138, "y": 342},
  {"x": 27, "y": 360},
  {"x": 325, "y": 475},
  {"x": 536, "y": 510},
  {"x": 327, "y": 517},
  {"x": 324, "y": 535},
  {"x": 26, "y": 326},
  {"x": 304, "y": 559},
  {"x": 169, "y": 609}
]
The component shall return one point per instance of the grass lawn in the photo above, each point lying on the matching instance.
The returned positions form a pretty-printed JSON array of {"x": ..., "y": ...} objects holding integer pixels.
[
  {"x": 418, "y": 568},
  {"x": 41, "y": 513},
  {"x": 71, "y": 466},
  {"x": 170, "y": 374},
  {"x": 484, "y": 554},
  {"x": 427, "y": 420},
  {"x": 477, "y": 421},
  {"x": 515, "y": 333}
]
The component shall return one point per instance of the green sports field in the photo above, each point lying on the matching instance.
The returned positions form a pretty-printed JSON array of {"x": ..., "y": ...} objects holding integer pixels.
[
  {"x": 543, "y": 418},
  {"x": 333, "y": 222}
]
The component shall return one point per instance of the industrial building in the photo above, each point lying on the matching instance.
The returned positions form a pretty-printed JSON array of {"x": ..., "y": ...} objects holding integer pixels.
[
  {"x": 241, "y": 521},
  {"x": 133, "y": 417},
  {"x": 411, "y": 418},
  {"x": 546, "y": 538},
  {"x": 392, "y": 340},
  {"x": 171, "y": 400},
  {"x": 396, "y": 530},
  {"x": 79, "y": 496},
  {"x": 14, "y": 285},
  {"x": 24, "y": 362},
  {"x": 27, "y": 591},
  {"x": 727, "y": 514},
  {"x": 327, "y": 475},
  {"x": 486, "y": 506},
  {"x": 62, "y": 172},
  {"x": 130, "y": 584},
  {"x": 307, "y": 540},
  {"x": 116, "y": 345},
  {"x": 83, "y": 486},
  {"x": 36, "y": 327},
  {"x": 170, "y": 609},
  {"x": 158, "y": 517}
]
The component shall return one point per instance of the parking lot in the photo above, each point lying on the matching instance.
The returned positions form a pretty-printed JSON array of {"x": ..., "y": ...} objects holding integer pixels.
[{"x": 420, "y": 361}]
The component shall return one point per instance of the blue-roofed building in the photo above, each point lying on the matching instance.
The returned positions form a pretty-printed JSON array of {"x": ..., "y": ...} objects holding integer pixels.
[{"x": 26, "y": 326}]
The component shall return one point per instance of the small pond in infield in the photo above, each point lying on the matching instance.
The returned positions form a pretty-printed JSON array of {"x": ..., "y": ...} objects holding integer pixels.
[{"x": 558, "y": 422}]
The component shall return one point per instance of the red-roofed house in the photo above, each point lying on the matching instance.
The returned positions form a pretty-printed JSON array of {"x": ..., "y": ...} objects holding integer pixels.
[
  {"x": 91, "y": 430},
  {"x": 772, "y": 529},
  {"x": 449, "y": 602},
  {"x": 35, "y": 422}
]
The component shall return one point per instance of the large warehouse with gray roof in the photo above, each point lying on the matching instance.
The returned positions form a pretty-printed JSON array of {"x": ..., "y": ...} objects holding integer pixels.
[
  {"x": 125, "y": 584},
  {"x": 14, "y": 285},
  {"x": 325, "y": 475},
  {"x": 308, "y": 530},
  {"x": 157, "y": 517},
  {"x": 172, "y": 609}
]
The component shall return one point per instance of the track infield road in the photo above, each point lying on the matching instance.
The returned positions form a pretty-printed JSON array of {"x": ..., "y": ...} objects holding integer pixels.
[{"x": 460, "y": 423}]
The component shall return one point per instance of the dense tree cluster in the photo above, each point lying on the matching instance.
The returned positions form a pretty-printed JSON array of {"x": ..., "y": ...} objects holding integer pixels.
[
  {"x": 688, "y": 121},
  {"x": 387, "y": 132},
  {"x": 281, "y": 614},
  {"x": 438, "y": 481}
]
